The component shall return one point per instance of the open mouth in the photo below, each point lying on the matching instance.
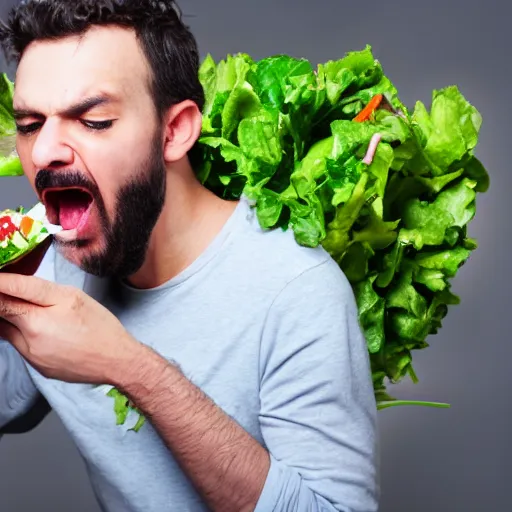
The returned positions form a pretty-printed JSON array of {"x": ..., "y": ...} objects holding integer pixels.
[{"x": 68, "y": 207}]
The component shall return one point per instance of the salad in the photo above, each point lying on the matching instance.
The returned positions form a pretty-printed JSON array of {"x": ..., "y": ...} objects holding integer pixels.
[{"x": 22, "y": 231}]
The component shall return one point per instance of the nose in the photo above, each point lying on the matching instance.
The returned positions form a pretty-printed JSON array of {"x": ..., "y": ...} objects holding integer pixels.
[{"x": 50, "y": 149}]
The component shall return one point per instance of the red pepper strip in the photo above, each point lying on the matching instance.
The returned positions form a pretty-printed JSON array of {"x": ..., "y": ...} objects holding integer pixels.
[
  {"x": 7, "y": 228},
  {"x": 367, "y": 111}
]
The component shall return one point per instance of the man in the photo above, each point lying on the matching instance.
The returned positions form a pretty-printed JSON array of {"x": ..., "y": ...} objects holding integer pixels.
[{"x": 241, "y": 348}]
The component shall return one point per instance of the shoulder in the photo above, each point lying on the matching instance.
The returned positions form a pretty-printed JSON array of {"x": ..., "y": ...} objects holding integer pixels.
[
  {"x": 276, "y": 263},
  {"x": 307, "y": 295},
  {"x": 277, "y": 259}
]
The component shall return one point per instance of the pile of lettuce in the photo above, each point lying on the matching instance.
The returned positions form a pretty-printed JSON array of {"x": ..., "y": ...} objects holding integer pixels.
[
  {"x": 295, "y": 140},
  {"x": 284, "y": 134},
  {"x": 9, "y": 161}
]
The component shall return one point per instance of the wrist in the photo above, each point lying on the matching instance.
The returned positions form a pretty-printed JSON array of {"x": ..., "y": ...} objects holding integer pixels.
[{"x": 138, "y": 372}]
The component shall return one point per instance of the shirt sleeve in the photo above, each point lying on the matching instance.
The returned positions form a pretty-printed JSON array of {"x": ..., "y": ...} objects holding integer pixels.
[
  {"x": 18, "y": 394},
  {"x": 21, "y": 404},
  {"x": 318, "y": 411}
]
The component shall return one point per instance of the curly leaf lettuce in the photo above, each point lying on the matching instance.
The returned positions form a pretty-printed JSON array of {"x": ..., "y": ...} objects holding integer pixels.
[
  {"x": 122, "y": 407},
  {"x": 397, "y": 226},
  {"x": 9, "y": 161}
]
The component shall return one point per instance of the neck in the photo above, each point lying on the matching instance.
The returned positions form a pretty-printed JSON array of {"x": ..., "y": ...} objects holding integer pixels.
[{"x": 191, "y": 218}]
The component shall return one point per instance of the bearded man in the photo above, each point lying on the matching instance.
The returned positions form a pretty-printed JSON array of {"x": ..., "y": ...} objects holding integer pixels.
[{"x": 242, "y": 349}]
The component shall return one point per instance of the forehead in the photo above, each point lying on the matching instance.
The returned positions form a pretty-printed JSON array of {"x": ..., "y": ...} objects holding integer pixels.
[{"x": 54, "y": 74}]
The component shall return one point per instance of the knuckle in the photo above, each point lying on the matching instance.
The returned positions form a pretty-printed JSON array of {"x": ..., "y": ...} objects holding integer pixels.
[
  {"x": 68, "y": 290},
  {"x": 32, "y": 329},
  {"x": 45, "y": 289},
  {"x": 75, "y": 299}
]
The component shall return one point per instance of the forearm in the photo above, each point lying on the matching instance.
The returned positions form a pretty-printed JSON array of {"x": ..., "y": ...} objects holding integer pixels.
[{"x": 227, "y": 466}]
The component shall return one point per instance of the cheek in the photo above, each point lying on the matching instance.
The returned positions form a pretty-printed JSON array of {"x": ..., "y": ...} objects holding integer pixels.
[
  {"x": 24, "y": 150},
  {"x": 114, "y": 165}
]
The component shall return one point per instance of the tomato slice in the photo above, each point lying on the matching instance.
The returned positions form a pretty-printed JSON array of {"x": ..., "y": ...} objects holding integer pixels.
[{"x": 7, "y": 228}]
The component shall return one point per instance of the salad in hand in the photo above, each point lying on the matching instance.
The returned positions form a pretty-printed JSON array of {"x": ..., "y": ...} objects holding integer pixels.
[{"x": 22, "y": 231}]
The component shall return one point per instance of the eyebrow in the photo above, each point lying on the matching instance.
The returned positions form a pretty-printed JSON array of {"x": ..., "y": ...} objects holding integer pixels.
[{"x": 75, "y": 110}]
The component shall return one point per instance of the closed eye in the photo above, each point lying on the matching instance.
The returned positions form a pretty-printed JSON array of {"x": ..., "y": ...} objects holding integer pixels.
[
  {"x": 27, "y": 129},
  {"x": 98, "y": 125}
]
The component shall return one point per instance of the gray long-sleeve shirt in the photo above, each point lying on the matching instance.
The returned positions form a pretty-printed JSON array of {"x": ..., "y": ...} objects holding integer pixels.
[{"x": 269, "y": 330}]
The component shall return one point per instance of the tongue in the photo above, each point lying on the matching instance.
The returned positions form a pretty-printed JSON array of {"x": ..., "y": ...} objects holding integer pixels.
[{"x": 72, "y": 210}]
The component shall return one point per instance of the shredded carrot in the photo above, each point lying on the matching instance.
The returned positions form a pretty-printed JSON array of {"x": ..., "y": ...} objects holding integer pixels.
[
  {"x": 26, "y": 225},
  {"x": 367, "y": 111}
]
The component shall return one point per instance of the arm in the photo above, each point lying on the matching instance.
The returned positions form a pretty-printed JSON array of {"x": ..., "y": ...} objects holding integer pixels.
[
  {"x": 317, "y": 416},
  {"x": 22, "y": 407},
  {"x": 226, "y": 465},
  {"x": 30, "y": 420},
  {"x": 318, "y": 410}
]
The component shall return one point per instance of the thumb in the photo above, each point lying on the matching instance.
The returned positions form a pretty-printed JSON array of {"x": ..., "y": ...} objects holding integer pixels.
[{"x": 13, "y": 335}]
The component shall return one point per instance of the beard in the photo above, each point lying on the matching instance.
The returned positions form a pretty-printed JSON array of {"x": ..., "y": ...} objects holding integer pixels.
[{"x": 138, "y": 206}]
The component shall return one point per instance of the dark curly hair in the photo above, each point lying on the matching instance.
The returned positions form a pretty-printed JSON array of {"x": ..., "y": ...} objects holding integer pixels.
[{"x": 167, "y": 43}]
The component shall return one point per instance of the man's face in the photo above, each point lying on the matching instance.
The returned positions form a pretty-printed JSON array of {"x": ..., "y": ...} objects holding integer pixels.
[{"x": 91, "y": 146}]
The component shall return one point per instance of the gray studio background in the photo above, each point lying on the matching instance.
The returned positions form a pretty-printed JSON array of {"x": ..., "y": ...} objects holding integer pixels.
[{"x": 443, "y": 460}]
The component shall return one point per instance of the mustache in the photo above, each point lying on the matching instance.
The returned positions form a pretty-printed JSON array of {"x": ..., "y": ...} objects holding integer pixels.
[{"x": 67, "y": 179}]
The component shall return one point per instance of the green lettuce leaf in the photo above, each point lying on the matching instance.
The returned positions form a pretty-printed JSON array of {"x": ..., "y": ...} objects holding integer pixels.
[
  {"x": 10, "y": 165},
  {"x": 371, "y": 313},
  {"x": 282, "y": 80},
  {"x": 356, "y": 68},
  {"x": 9, "y": 162},
  {"x": 7, "y": 124},
  {"x": 433, "y": 223},
  {"x": 448, "y": 262},
  {"x": 448, "y": 133},
  {"x": 122, "y": 407}
]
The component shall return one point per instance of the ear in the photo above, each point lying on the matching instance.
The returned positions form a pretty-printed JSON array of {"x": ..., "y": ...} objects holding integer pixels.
[{"x": 182, "y": 129}]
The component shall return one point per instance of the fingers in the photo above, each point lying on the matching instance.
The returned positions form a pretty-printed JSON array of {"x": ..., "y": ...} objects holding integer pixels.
[
  {"x": 28, "y": 288},
  {"x": 14, "y": 311}
]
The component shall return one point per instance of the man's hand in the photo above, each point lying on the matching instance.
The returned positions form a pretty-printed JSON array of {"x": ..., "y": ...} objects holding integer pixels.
[{"x": 61, "y": 331}]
